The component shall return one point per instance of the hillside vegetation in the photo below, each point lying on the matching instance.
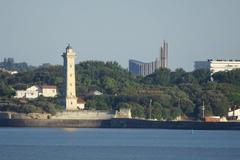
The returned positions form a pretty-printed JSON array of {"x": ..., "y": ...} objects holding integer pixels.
[{"x": 171, "y": 93}]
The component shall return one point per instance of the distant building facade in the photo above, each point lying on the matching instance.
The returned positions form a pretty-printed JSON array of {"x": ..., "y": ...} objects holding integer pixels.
[
  {"x": 32, "y": 92},
  {"x": 217, "y": 65},
  {"x": 141, "y": 68},
  {"x": 48, "y": 91},
  {"x": 234, "y": 114},
  {"x": 20, "y": 94},
  {"x": 164, "y": 55},
  {"x": 36, "y": 91},
  {"x": 144, "y": 69}
]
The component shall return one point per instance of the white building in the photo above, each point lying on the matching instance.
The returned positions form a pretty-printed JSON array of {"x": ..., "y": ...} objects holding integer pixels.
[
  {"x": 48, "y": 91},
  {"x": 217, "y": 65},
  {"x": 95, "y": 93},
  {"x": 235, "y": 114},
  {"x": 80, "y": 103},
  {"x": 35, "y": 91},
  {"x": 32, "y": 92},
  {"x": 7, "y": 71},
  {"x": 20, "y": 94}
]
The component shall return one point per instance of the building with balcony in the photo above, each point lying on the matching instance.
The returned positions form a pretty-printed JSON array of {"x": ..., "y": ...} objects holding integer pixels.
[{"x": 217, "y": 65}]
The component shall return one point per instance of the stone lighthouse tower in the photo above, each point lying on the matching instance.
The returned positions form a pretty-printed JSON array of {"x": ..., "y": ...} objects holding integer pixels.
[{"x": 69, "y": 77}]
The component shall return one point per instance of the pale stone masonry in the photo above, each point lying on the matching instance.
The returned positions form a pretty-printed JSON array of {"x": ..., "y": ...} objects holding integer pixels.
[{"x": 69, "y": 77}]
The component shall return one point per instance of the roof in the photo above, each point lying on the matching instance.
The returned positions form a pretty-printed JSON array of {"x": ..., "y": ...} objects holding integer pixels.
[
  {"x": 96, "y": 92},
  {"x": 138, "y": 62},
  {"x": 33, "y": 88},
  {"x": 69, "y": 46},
  {"x": 48, "y": 87},
  {"x": 80, "y": 100}
]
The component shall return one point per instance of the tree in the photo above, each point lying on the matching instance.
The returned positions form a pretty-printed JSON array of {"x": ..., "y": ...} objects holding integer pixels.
[
  {"x": 177, "y": 76},
  {"x": 159, "y": 77},
  {"x": 110, "y": 85},
  {"x": 187, "y": 107},
  {"x": 232, "y": 77},
  {"x": 202, "y": 75},
  {"x": 157, "y": 111},
  {"x": 5, "y": 90},
  {"x": 137, "y": 110}
]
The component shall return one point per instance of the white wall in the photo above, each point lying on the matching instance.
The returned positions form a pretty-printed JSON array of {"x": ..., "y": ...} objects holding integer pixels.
[
  {"x": 47, "y": 92},
  {"x": 20, "y": 94}
]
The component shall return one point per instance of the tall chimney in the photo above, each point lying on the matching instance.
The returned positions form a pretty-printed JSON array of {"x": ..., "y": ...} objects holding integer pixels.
[
  {"x": 166, "y": 55},
  {"x": 161, "y": 57}
]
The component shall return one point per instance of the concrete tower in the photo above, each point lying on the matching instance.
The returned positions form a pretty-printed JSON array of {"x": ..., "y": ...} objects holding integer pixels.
[
  {"x": 164, "y": 55},
  {"x": 69, "y": 77}
]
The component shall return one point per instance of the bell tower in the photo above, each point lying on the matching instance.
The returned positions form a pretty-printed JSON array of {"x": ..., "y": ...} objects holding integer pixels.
[{"x": 69, "y": 79}]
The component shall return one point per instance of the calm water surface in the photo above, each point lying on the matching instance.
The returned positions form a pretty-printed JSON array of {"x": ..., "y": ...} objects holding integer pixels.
[{"x": 117, "y": 144}]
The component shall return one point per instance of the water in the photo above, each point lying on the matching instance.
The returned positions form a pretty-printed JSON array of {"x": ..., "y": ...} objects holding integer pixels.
[{"x": 117, "y": 144}]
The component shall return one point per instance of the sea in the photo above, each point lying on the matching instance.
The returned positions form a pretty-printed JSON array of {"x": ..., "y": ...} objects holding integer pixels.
[{"x": 117, "y": 144}]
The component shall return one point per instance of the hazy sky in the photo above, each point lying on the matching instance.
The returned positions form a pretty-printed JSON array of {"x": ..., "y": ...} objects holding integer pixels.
[{"x": 118, "y": 30}]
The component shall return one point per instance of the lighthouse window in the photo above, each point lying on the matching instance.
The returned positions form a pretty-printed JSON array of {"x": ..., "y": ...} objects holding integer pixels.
[{"x": 70, "y": 66}]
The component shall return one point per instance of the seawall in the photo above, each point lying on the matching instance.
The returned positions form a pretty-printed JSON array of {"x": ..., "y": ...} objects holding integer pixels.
[
  {"x": 136, "y": 123},
  {"x": 54, "y": 123},
  {"x": 120, "y": 123}
]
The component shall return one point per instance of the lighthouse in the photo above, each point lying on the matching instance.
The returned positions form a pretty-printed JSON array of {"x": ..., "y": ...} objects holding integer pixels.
[{"x": 70, "y": 98}]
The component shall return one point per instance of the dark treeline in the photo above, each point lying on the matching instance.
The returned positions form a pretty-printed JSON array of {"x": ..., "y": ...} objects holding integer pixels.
[
  {"x": 9, "y": 64},
  {"x": 168, "y": 94}
]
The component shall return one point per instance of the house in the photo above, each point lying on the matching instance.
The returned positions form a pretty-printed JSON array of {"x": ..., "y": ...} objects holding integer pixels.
[
  {"x": 234, "y": 114},
  {"x": 20, "y": 94},
  {"x": 32, "y": 92},
  {"x": 80, "y": 103},
  {"x": 212, "y": 119},
  {"x": 35, "y": 91},
  {"x": 48, "y": 91},
  {"x": 95, "y": 93},
  {"x": 7, "y": 71}
]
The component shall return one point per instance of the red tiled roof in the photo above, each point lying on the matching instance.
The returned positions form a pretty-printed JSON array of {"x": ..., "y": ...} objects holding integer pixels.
[{"x": 80, "y": 100}]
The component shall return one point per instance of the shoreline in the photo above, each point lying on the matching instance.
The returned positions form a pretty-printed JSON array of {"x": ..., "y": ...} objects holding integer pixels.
[{"x": 120, "y": 123}]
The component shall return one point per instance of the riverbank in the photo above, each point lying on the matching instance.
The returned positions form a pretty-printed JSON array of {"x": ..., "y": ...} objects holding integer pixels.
[{"x": 120, "y": 123}]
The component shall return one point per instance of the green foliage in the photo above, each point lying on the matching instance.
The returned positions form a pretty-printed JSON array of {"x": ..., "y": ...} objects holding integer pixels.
[
  {"x": 39, "y": 105},
  {"x": 177, "y": 76},
  {"x": 160, "y": 77},
  {"x": 21, "y": 67},
  {"x": 5, "y": 90},
  {"x": 138, "y": 111},
  {"x": 16, "y": 106},
  {"x": 99, "y": 102},
  {"x": 187, "y": 106},
  {"x": 202, "y": 75},
  {"x": 173, "y": 93},
  {"x": 108, "y": 77},
  {"x": 218, "y": 102},
  {"x": 232, "y": 77}
]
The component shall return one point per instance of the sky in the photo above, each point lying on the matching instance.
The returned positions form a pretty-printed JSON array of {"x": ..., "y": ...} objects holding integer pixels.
[{"x": 38, "y": 31}]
